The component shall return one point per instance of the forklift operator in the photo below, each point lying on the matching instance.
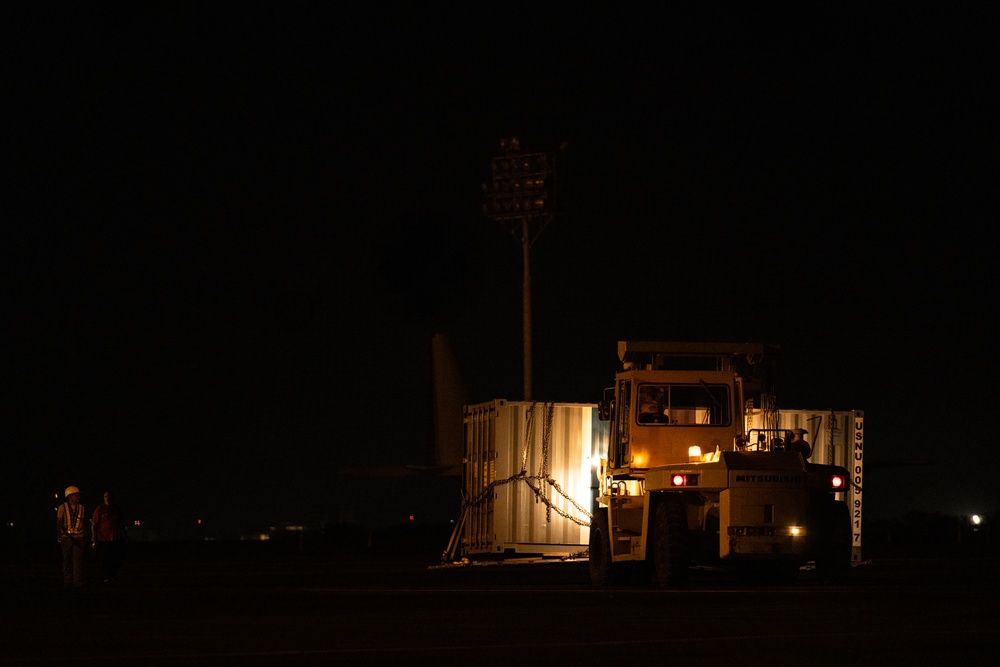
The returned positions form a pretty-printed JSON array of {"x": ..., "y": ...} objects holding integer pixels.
[{"x": 653, "y": 405}]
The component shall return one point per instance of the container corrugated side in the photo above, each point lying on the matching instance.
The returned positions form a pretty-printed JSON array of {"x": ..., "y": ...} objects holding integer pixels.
[{"x": 530, "y": 476}]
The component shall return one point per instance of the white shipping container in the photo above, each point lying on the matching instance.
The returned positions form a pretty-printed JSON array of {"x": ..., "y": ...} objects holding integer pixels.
[{"x": 530, "y": 477}]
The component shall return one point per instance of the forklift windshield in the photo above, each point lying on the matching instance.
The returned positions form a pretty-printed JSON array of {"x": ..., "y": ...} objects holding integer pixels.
[{"x": 683, "y": 404}]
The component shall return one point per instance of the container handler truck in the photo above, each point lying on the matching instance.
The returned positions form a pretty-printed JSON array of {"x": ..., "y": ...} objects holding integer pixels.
[{"x": 698, "y": 473}]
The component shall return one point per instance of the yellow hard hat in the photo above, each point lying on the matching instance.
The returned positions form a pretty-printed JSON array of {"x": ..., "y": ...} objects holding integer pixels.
[{"x": 70, "y": 490}]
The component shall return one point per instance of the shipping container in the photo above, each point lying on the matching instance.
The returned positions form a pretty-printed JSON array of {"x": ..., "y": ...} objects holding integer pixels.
[{"x": 530, "y": 477}]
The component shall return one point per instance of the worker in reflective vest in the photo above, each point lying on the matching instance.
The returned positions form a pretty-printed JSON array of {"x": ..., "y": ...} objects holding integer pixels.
[{"x": 71, "y": 523}]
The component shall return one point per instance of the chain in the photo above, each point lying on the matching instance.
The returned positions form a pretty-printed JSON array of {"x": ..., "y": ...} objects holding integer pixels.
[
  {"x": 535, "y": 483},
  {"x": 547, "y": 438},
  {"x": 544, "y": 471},
  {"x": 529, "y": 434}
]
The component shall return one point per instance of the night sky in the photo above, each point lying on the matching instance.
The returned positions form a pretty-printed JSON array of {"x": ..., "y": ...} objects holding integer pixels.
[{"x": 232, "y": 232}]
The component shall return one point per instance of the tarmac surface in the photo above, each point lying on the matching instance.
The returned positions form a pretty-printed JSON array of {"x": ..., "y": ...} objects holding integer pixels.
[{"x": 260, "y": 604}]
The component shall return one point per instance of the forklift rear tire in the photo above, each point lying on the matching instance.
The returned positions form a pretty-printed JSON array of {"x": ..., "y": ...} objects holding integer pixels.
[{"x": 833, "y": 560}]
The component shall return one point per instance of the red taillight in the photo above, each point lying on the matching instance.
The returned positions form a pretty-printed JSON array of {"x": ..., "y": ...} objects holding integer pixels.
[{"x": 836, "y": 482}]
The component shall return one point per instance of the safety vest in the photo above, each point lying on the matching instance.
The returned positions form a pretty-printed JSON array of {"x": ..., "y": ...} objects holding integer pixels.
[{"x": 72, "y": 521}]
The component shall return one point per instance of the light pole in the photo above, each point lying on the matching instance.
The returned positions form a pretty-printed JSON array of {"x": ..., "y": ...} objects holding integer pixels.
[{"x": 520, "y": 199}]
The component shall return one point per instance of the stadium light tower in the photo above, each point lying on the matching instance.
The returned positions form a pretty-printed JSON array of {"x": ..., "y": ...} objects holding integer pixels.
[{"x": 520, "y": 199}]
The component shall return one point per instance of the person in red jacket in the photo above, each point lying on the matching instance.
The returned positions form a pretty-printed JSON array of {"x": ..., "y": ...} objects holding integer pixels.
[{"x": 110, "y": 536}]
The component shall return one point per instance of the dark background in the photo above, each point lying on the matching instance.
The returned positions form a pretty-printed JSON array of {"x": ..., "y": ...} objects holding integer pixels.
[{"x": 233, "y": 228}]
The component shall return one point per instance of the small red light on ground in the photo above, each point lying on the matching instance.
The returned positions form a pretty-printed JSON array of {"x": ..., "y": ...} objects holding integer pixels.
[{"x": 678, "y": 480}]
